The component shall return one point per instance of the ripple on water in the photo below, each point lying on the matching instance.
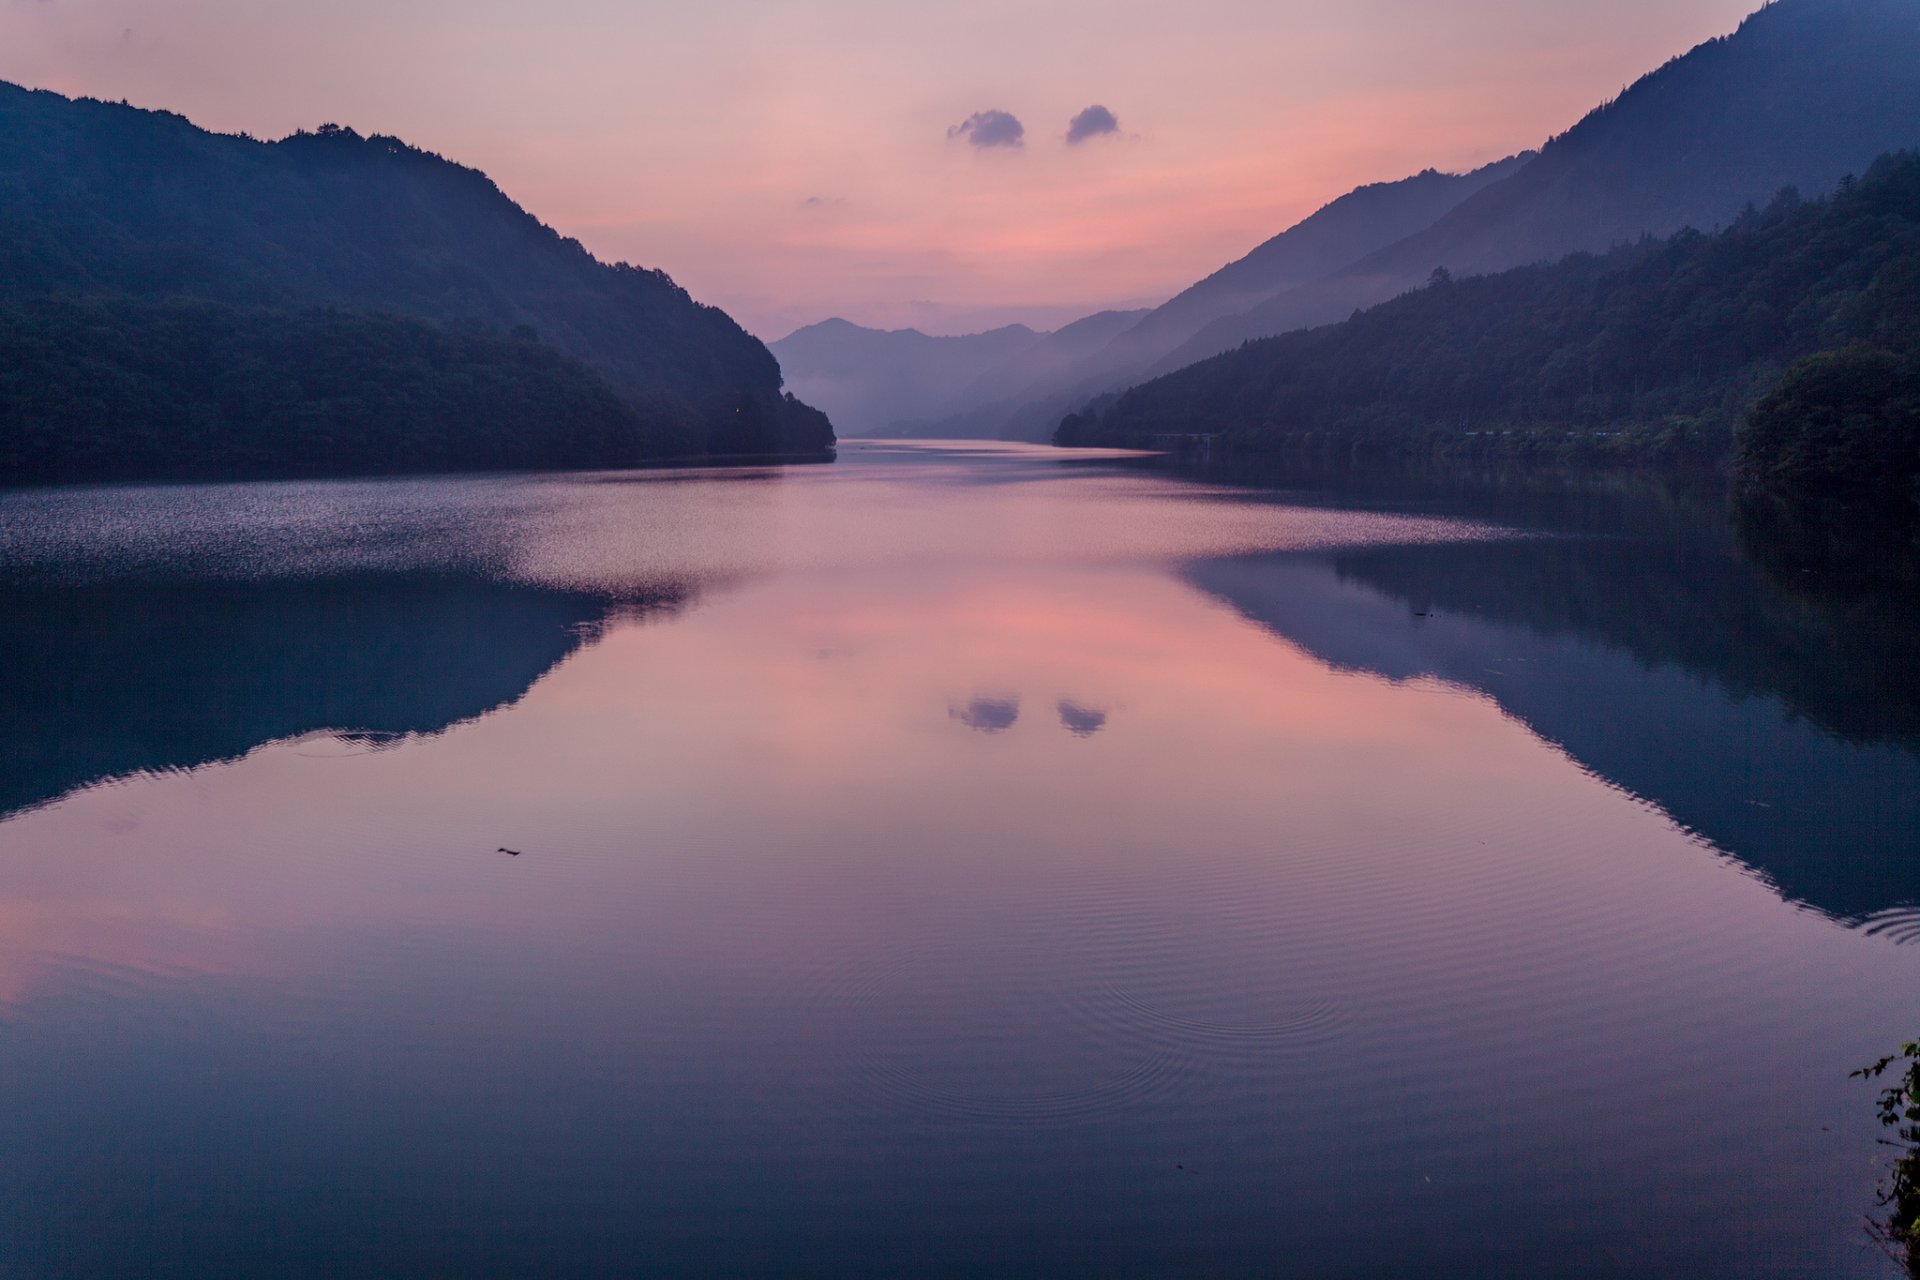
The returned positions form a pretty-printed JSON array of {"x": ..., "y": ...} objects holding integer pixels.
[
  {"x": 1050, "y": 1019},
  {"x": 1900, "y": 926}
]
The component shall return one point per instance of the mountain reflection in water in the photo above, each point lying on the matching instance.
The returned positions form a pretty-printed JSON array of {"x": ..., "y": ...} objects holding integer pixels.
[{"x": 983, "y": 861}]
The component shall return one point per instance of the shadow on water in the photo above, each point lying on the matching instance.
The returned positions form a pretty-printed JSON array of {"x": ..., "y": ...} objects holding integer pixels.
[
  {"x": 1753, "y": 677},
  {"x": 109, "y": 679}
]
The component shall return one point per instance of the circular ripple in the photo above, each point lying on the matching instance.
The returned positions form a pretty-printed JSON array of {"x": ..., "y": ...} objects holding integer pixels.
[
  {"x": 1900, "y": 926},
  {"x": 340, "y": 744}
]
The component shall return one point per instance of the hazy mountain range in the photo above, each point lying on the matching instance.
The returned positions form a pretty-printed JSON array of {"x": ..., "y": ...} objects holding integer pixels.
[
  {"x": 904, "y": 382},
  {"x": 1804, "y": 93}
]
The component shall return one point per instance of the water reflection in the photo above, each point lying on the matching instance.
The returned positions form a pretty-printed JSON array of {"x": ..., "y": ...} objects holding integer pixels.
[
  {"x": 1299, "y": 904},
  {"x": 1786, "y": 734},
  {"x": 1081, "y": 722},
  {"x": 125, "y": 677}
]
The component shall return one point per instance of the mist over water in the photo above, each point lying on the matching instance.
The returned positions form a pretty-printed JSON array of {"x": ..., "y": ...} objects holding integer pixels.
[{"x": 956, "y": 861}]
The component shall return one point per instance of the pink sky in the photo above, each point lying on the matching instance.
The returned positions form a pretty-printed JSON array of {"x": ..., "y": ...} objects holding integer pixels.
[{"x": 790, "y": 160}]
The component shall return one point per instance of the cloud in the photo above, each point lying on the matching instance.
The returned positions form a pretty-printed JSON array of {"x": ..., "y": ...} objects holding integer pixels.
[
  {"x": 991, "y": 129},
  {"x": 1091, "y": 123},
  {"x": 988, "y": 715}
]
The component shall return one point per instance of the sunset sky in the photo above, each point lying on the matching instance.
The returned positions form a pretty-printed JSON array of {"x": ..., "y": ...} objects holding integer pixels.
[{"x": 896, "y": 163}]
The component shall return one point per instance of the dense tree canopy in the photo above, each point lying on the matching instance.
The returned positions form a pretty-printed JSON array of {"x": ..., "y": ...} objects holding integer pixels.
[
  {"x": 101, "y": 198},
  {"x": 121, "y": 388},
  {"x": 1656, "y": 349},
  {"x": 1844, "y": 420}
]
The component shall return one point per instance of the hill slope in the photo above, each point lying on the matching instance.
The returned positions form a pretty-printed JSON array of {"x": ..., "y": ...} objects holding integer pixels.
[
  {"x": 1025, "y": 397},
  {"x": 1674, "y": 340},
  {"x": 120, "y": 388},
  {"x": 1340, "y": 234},
  {"x": 100, "y": 198},
  {"x": 1805, "y": 92}
]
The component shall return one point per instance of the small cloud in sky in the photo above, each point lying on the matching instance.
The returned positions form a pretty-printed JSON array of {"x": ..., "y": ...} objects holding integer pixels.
[
  {"x": 822, "y": 202},
  {"x": 991, "y": 129},
  {"x": 1094, "y": 122}
]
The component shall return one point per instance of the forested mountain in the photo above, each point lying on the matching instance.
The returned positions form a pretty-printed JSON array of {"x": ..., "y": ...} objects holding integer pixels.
[
  {"x": 101, "y": 199},
  {"x": 1338, "y": 235},
  {"x": 1016, "y": 384},
  {"x": 1661, "y": 348},
  {"x": 1805, "y": 92},
  {"x": 119, "y": 388}
]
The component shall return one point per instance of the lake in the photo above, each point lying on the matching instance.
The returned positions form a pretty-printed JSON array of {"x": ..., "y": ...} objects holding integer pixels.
[{"x": 955, "y": 861}]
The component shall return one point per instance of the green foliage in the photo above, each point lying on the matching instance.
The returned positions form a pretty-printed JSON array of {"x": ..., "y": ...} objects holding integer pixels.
[
  {"x": 102, "y": 198},
  {"x": 1900, "y": 1111},
  {"x": 120, "y": 388},
  {"x": 1842, "y": 420},
  {"x": 1653, "y": 352}
]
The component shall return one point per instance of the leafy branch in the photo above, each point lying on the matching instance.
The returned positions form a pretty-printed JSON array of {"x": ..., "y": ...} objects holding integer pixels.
[{"x": 1899, "y": 1107}]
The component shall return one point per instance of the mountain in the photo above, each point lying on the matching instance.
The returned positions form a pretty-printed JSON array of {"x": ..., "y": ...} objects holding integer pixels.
[
  {"x": 997, "y": 403},
  {"x": 1338, "y": 235},
  {"x": 1660, "y": 348},
  {"x": 119, "y": 388},
  {"x": 909, "y": 384},
  {"x": 1805, "y": 92},
  {"x": 104, "y": 198},
  {"x": 871, "y": 380}
]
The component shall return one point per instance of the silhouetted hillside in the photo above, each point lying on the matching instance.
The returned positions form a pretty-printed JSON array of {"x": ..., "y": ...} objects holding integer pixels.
[
  {"x": 121, "y": 388},
  {"x": 1660, "y": 348},
  {"x": 1026, "y": 394},
  {"x": 1345, "y": 231},
  {"x": 1803, "y": 93},
  {"x": 99, "y": 198}
]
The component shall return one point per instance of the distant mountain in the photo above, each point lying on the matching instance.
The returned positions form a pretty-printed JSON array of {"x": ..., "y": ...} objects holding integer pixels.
[
  {"x": 103, "y": 198},
  {"x": 999, "y": 402},
  {"x": 1654, "y": 349},
  {"x": 909, "y": 384},
  {"x": 1337, "y": 236},
  {"x": 869, "y": 381},
  {"x": 1805, "y": 92}
]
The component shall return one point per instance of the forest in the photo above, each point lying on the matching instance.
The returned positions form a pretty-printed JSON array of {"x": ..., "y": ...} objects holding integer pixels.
[
  {"x": 1658, "y": 352},
  {"x": 105, "y": 201},
  {"x": 123, "y": 388}
]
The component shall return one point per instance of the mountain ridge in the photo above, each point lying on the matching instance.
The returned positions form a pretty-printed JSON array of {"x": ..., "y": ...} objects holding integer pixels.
[
  {"x": 1800, "y": 94},
  {"x": 107, "y": 198}
]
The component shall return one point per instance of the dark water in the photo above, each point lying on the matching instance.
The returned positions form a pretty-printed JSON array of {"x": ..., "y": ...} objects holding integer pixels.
[{"x": 950, "y": 862}]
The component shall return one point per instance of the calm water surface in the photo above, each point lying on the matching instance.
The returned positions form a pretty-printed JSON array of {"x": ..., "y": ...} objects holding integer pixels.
[{"x": 971, "y": 862}]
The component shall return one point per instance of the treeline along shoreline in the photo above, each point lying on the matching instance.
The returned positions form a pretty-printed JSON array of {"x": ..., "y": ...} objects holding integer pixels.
[{"x": 1785, "y": 348}]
